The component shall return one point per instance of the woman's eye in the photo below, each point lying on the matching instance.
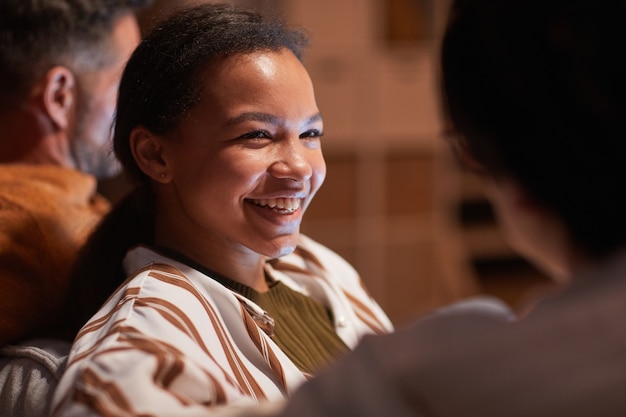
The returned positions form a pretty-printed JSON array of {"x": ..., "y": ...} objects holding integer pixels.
[
  {"x": 257, "y": 134},
  {"x": 313, "y": 133}
]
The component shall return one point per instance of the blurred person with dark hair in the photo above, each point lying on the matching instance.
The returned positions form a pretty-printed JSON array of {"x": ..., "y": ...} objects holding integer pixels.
[{"x": 60, "y": 64}]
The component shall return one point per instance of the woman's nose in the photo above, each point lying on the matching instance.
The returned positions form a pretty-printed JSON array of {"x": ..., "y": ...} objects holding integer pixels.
[{"x": 292, "y": 161}]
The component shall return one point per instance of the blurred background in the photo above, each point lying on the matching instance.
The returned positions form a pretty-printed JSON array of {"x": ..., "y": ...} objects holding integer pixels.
[{"x": 395, "y": 204}]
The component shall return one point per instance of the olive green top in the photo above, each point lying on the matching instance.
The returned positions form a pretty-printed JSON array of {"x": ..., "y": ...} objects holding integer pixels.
[{"x": 302, "y": 327}]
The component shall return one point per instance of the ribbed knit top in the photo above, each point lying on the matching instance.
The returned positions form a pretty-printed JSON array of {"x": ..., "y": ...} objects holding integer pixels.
[{"x": 303, "y": 327}]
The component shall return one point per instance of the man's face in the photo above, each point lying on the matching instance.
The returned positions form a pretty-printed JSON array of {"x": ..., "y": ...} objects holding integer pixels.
[{"x": 91, "y": 142}]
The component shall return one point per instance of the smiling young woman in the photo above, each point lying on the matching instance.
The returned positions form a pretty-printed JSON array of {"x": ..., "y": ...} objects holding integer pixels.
[{"x": 214, "y": 296}]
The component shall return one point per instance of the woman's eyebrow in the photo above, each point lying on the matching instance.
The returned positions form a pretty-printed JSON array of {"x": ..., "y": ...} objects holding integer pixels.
[
  {"x": 266, "y": 118},
  {"x": 255, "y": 116}
]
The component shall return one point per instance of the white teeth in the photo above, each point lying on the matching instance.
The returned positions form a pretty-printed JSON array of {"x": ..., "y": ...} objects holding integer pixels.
[{"x": 282, "y": 204}]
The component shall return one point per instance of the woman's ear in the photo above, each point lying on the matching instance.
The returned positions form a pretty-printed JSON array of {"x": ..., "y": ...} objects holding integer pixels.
[
  {"x": 147, "y": 150},
  {"x": 59, "y": 96}
]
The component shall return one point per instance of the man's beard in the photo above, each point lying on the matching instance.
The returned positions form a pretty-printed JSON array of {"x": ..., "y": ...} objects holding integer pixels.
[
  {"x": 92, "y": 155},
  {"x": 96, "y": 160}
]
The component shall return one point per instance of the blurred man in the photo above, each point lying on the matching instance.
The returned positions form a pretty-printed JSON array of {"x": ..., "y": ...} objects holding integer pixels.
[{"x": 60, "y": 64}]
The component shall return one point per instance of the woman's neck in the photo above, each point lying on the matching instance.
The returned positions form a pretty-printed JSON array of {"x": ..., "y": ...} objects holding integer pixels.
[{"x": 246, "y": 268}]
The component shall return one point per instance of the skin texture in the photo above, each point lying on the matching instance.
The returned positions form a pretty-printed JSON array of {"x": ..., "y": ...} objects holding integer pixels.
[{"x": 255, "y": 136}]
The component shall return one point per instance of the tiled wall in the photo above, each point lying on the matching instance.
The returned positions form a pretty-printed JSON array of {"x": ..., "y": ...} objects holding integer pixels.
[{"x": 383, "y": 212}]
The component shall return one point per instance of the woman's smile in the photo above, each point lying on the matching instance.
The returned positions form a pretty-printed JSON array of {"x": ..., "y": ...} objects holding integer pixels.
[{"x": 280, "y": 205}]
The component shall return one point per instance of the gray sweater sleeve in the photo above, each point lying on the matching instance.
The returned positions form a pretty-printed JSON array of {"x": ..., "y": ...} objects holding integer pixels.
[{"x": 29, "y": 373}]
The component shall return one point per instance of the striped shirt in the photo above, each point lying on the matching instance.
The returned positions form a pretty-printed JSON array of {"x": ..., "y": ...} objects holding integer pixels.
[{"x": 173, "y": 341}]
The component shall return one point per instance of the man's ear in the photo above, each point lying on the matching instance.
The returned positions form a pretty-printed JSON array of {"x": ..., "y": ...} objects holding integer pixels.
[
  {"x": 59, "y": 96},
  {"x": 147, "y": 150}
]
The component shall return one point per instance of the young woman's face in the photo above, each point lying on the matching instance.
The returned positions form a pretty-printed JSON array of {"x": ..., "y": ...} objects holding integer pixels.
[{"x": 247, "y": 160}]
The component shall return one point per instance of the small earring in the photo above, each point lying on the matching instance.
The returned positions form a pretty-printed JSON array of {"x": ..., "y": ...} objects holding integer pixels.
[{"x": 162, "y": 175}]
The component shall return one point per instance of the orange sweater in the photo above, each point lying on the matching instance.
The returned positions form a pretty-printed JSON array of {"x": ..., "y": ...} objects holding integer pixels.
[{"x": 46, "y": 214}]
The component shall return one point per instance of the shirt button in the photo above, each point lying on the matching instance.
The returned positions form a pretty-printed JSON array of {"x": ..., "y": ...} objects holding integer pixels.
[{"x": 342, "y": 321}]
